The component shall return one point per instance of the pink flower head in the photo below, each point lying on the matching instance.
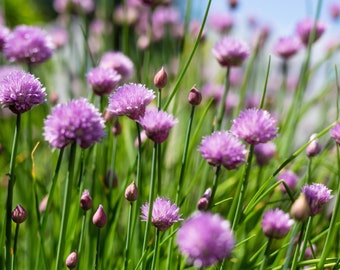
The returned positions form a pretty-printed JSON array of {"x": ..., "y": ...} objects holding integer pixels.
[
  {"x": 157, "y": 124},
  {"x": 276, "y": 223},
  {"x": 130, "y": 100},
  {"x": 20, "y": 91},
  {"x": 221, "y": 22},
  {"x": 230, "y": 52},
  {"x": 78, "y": 121},
  {"x": 287, "y": 47},
  {"x": 223, "y": 148},
  {"x": 317, "y": 195},
  {"x": 119, "y": 62},
  {"x": 290, "y": 178},
  {"x": 305, "y": 27},
  {"x": 205, "y": 239},
  {"x": 255, "y": 126},
  {"x": 28, "y": 44},
  {"x": 4, "y": 32},
  {"x": 163, "y": 215},
  {"x": 335, "y": 133},
  {"x": 102, "y": 80},
  {"x": 264, "y": 152}
]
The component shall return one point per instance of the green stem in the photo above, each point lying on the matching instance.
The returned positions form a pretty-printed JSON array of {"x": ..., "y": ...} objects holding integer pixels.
[
  {"x": 155, "y": 252},
  {"x": 128, "y": 234},
  {"x": 66, "y": 206},
  {"x": 97, "y": 250},
  {"x": 223, "y": 102},
  {"x": 81, "y": 237},
  {"x": 240, "y": 195},
  {"x": 9, "y": 202},
  {"x": 15, "y": 244},
  {"x": 159, "y": 169},
  {"x": 291, "y": 246},
  {"x": 305, "y": 239},
  {"x": 266, "y": 254},
  {"x": 186, "y": 66},
  {"x": 214, "y": 186},
  {"x": 151, "y": 195}
]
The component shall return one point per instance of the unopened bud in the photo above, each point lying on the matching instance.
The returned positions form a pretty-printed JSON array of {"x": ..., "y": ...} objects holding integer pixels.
[
  {"x": 72, "y": 260},
  {"x": 300, "y": 209},
  {"x": 161, "y": 78},
  {"x": 99, "y": 218},
  {"x": 131, "y": 192},
  {"x": 233, "y": 3},
  {"x": 19, "y": 214},
  {"x": 43, "y": 204},
  {"x": 195, "y": 96},
  {"x": 314, "y": 147},
  {"x": 85, "y": 200},
  {"x": 202, "y": 204}
]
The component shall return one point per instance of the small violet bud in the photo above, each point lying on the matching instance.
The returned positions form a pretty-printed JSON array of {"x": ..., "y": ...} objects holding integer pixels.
[
  {"x": 161, "y": 78},
  {"x": 99, "y": 218},
  {"x": 314, "y": 147},
  {"x": 300, "y": 209},
  {"x": 233, "y": 3},
  {"x": 85, "y": 200},
  {"x": 43, "y": 204},
  {"x": 19, "y": 214},
  {"x": 131, "y": 192},
  {"x": 195, "y": 96},
  {"x": 72, "y": 260},
  {"x": 203, "y": 202}
]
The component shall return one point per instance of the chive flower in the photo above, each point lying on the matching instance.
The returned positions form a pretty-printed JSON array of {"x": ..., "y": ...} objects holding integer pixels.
[
  {"x": 163, "y": 215},
  {"x": 290, "y": 178},
  {"x": 305, "y": 27},
  {"x": 286, "y": 47},
  {"x": 78, "y": 121},
  {"x": 317, "y": 195},
  {"x": 102, "y": 80},
  {"x": 28, "y": 44},
  {"x": 205, "y": 239},
  {"x": 276, "y": 223},
  {"x": 335, "y": 133},
  {"x": 223, "y": 148},
  {"x": 264, "y": 152},
  {"x": 118, "y": 62},
  {"x": 20, "y": 91},
  {"x": 255, "y": 126}
]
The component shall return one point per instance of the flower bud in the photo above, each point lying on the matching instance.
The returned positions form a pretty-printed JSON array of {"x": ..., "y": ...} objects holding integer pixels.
[
  {"x": 161, "y": 78},
  {"x": 85, "y": 200},
  {"x": 99, "y": 218},
  {"x": 131, "y": 192},
  {"x": 19, "y": 214},
  {"x": 72, "y": 260},
  {"x": 43, "y": 204},
  {"x": 202, "y": 204},
  {"x": 300, "y": 209},
  {"x": 195, "y": 96},
  {"x": 233, "y": 3},
  {"x": 314, "y": 147}
]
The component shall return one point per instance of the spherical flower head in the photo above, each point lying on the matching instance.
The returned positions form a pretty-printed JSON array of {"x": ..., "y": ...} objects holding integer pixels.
[
  {"x": 230, "y": 52},
  {"x": 276, "y": 223},
  {"x": 223, "y": 148},
  {"x": 130, "y": 100},
  {"x": 205, "y": 239},
  {"x": 163, "y": 215},
  {"x": 221, "y": 22},
  {"x": 103, "y": 80},
  {"x": 290, "y": 178},
  {"x": 335, "y": 133},
  {"x": 78, "y": 121},
  {"x": 286, "y": 47},
  {"x": 255, "y": 126},
  {"x": 317, "y": 196},
  {"x": 157, "y": 124},
  {"x": 20, "y": 91},
  {"x": 4, "y": 32},
  {"x": 118, "y": 62},
  {"x": 28, "y": 44},
  {"x": 264, "y": 152},
  {"x": 305, "y": 27}
]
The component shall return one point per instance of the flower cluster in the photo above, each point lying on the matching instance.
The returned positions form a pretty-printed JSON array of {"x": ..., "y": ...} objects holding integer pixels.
[
  {"x": 317, "y": 195},
  {"x": 276, "y": 223}
]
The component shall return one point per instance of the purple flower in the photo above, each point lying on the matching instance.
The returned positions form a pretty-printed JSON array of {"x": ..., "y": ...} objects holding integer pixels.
[
  {"x": 317, "y": 196},
  {"x": 230, "y": 52},
  {"x": 305, "y": 27},
  {"x": 130, "y": 100},
  {"x": 255, "y": 126},
  {"x": 164, "y": 214},
  {"x": 335, "y": 133},
  {"x": 221, "y": 22},
  {"x": 205, "y": 239},
  {"x": 287, "y": 47},
  {"x": 4, "y": 32},
  {"x": 276, "y": 223},
  {"x": 157, "y": 124},
  {"x": 85, "y": 6},
  {"x": 264, "y": 152},
  {"x": 156, "y": 2},
  {"x": 118, "y": 62},
  {"x": 78, "y": 121},
  {"x": 102, "y": 80},
  {"x": 290, "y": 178},
  {"x": 28, "y": 44},
  {"x": 223, "y": 148},
  {"x": 20, "y": 91}
]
